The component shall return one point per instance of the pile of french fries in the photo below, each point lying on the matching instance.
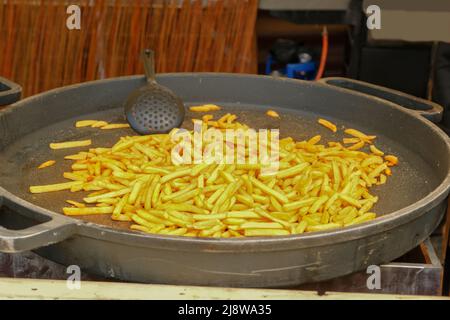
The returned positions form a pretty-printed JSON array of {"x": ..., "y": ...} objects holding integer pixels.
[{"x": 317, "y": 187}]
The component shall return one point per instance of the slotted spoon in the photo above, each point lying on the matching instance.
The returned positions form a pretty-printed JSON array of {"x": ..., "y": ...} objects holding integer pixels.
[{"x": 153, "y": 108}]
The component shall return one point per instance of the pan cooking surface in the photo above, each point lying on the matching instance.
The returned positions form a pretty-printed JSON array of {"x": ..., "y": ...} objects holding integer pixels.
[{"x": 412, "y": 179}]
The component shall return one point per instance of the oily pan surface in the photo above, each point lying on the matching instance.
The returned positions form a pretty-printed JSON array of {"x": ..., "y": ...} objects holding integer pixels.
[{"x": 412, "y": 179}]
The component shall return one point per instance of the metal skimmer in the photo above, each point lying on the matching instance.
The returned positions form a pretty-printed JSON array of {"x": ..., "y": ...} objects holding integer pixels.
[{"x": 153, "y": 108}]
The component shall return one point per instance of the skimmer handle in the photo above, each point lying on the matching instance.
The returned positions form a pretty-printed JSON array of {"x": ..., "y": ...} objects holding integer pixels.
[{"x": 149, "y": 65}]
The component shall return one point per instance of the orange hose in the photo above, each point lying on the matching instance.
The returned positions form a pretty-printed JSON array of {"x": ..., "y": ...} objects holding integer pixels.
[{"x": 324, "y": 54}]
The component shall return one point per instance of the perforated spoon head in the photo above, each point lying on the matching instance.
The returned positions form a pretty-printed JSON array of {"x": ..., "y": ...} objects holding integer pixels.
[{"x": 153, "y": 108}]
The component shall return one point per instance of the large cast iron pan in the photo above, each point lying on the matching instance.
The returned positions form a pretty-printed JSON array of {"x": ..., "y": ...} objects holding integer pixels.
[{"x": 411, "y": 204}]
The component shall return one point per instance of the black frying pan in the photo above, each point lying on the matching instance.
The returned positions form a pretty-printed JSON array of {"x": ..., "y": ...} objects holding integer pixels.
[{"x": 411, "y": 203}]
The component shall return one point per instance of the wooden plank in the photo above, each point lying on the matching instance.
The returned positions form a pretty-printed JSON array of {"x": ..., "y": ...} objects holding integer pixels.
[
  {"x": 188, "y": 36},
  {"x": 57, "y": 289},
  {"x": 446, "y": 232}
]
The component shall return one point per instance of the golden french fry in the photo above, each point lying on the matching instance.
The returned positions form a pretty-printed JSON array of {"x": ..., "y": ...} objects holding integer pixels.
[
  {"x": 273, "y": 114},
  {"x": 269, "y": 191},
  {"x": 371, "y": 161},
  {"x": 85, "y": 123},
  {"x": 99, "y": 124},
  {"x": 139, "y": 228},
  {"x": 292, "y": 171},
  {"x": 388, "y": 171},
  {"x": 177, "y": 232},
  {"x": 111, "y": 194},
  {"x": 176, "y": 174},
  {"x": 205, "y": 108},
  {"x": 46, "y": 164},
  {"x": 218, "y": 216},
  {"x": 317, "y": 187},
  {"x": 393, "y": 160},
  {"x": 323, "y": 227},
  {"x": 261, "y": 225},
  {"x": 76, "y": 204},
  {"x": 301, "y": 227},
  {"x": 243, "y": 215},
  {"x": 351, "y": 140},
  {"x": 357, "y": 134},
  {"x": 327, "y": 124},
  {"x": 135, "y": 191},
  {"x": 70, "y": 144},
  {"x": 120, "y": 205},
  {"x": 363, "y": 218},
  {"x": 357, "y": 146},
  {"x": 350, "y": 200},
  {"x": 115, "y": 126},
  {"x": 376, "y": 151},
  {"x": 55, "y": 187},
  {"x": 207, "y": 117},
  {"x": 314, "y": 139},
  {"x": 265, "y": 232},
  {"x": 206, "y": 224},
  {"x": 375, "y": 172},
  {"x": 78, "y": 156},
  {"x": 87, "y": 211},
  {"x": 299, "y": 204}
]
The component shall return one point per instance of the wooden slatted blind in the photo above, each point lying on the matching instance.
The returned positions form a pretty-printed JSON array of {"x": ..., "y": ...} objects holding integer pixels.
[{"x": 39, "y": 52}]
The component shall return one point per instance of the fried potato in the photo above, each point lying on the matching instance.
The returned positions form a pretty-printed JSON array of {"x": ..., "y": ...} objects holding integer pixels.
[
  {"x": 265, "y": 232},
  {"x": 54, "y": 187},
  {"x": 85, "y": 123},
  {"x": 393, "y": 160},
  {"x": 328, "y": 124},
  {"x": 115, "y": 126},
  {"x": 273, "y": 114},
  {"x": 317, "y": 187},
  {"x": 205, "y": 108},
  {"x": 46, "y": 164},
  {"x": 88, "y": 211},
  {"x": 70, "y": 144},
  {"x": 99, "y": 124},
  {"x": 76, "y": 204},
  {"x": 376, "y": 151}
]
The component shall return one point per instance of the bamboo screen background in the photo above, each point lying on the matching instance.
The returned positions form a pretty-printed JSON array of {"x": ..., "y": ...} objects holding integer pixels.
[{"x": 40, "y": 53}]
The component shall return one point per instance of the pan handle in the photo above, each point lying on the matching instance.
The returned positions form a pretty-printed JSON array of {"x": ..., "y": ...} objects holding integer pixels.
[
  {"x": 10, "y": 92},
  {"x": 53, "y": 230},
  {"x": 428, "y": 109}
]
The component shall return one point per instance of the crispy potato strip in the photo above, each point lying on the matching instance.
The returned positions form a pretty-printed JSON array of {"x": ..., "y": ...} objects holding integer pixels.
[
  {"x": 204, "y": 108},
  {"x": 70, "y": 144},
  {"x": 272, "y": 113},
  {"x": 327, "y": 124},
  {"x": 85, "y": 123},
  {"x": 99, "y": 124},
  {"x": 54, "y": 187},
  {"x": 318, "y": 187},
  {"x": 115, "y": 126},
  {"x": 47, "y": 164}
]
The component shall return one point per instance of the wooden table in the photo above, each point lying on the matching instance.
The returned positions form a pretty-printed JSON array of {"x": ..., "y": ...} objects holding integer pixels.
[{"x": 57, "y": 289}]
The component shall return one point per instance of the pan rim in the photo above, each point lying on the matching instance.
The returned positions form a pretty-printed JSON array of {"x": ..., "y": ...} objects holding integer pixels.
[{"x": 380, "y": 224}]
